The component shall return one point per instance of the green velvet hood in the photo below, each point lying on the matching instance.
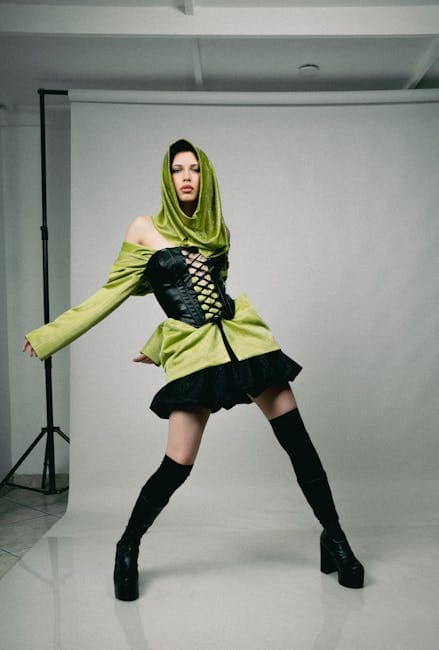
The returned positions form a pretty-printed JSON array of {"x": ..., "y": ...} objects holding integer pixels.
[{"x": 205, "y": 228}]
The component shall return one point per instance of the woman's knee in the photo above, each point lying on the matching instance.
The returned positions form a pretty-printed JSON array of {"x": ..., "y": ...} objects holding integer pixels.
[
  {"x": 184, "y": 457},
  {"x": 275, "y": 401}
]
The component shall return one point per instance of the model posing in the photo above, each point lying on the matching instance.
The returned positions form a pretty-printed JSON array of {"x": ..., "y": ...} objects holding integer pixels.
[{"x": 216, "y": 351}]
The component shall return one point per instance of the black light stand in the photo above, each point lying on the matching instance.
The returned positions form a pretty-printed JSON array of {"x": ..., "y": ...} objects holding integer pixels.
[{"x": 50, "y": 429}]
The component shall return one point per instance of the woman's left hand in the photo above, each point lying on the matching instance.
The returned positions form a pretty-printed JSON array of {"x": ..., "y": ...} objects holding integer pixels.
[{"x": 142, "y": 358}]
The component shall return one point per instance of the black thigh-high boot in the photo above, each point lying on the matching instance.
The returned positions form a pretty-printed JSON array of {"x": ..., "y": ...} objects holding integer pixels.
[
  {"x": 153, "y": 497},
  {"x": 335, "y": 552}
]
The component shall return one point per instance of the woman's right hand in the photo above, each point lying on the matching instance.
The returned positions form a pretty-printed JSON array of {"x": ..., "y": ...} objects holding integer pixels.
[
  {"x": 26, "y": 347},
  {"x": 142, "y": 358}
]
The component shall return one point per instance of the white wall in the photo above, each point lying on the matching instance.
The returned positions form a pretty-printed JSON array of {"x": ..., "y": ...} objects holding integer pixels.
[
  {"x": 345, "y": 214},
  {"x": 5, "y": 409},
  {"x": 339, "y": 204},
  {"x": 21, "y": 245}
]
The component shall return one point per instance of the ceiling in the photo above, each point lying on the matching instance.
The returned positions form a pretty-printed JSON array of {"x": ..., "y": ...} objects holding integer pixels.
[{"x": 213, "y": 45}]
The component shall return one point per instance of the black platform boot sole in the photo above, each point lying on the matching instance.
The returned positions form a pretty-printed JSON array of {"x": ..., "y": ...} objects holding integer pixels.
[
  {"x": 350, "y": 575},
  {"x": 125, "y": 575},
  {"x": 126, "y": 590}
]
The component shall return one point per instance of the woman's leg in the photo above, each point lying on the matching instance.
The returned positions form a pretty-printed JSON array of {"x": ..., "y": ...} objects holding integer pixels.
[
  {"x": 185, "y": 433},
  {"x": 280, "y": 408},
  {"x": 275, "y": 401},
  {"x": 184, "y": 437}
]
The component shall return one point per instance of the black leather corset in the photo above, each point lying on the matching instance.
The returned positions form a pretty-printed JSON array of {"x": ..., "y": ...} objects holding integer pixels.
[{"x": 189, "y": 286}]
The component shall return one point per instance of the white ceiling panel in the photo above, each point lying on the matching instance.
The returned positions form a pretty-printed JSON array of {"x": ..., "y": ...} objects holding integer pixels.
[
  {"x": 179, "y": 4},
  {"x": 100, "y": 58},
  {"x": 186, "y": 60},
  {"x": 344, "y": 64}
]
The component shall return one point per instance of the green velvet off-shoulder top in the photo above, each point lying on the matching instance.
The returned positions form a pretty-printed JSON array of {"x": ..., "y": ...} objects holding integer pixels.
[{"x": 177, "y": 346}]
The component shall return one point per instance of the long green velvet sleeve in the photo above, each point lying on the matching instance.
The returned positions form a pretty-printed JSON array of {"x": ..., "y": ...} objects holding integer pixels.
[{"x": 126, "y": 278}]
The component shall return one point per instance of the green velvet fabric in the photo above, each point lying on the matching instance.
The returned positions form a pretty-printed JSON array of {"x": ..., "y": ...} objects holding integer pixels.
[
  {"x": 205, "y": 228},
  {"x": 181, "y": 348},
  {"x": 177, "y": 346},
  {"x": 126, "y": 278}
]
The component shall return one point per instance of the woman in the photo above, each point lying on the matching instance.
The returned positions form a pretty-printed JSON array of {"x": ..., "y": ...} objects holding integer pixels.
[{"x": 216, "y": 351}]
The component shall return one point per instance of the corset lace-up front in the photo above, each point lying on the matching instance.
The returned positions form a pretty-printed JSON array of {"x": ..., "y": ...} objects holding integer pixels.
[
  {"x": 203, "y": 284},
  {"x": 189, "y": 286}
]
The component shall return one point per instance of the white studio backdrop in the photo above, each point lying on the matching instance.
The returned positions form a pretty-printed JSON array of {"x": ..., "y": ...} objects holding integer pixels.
[{"x": 334, "y": 232}]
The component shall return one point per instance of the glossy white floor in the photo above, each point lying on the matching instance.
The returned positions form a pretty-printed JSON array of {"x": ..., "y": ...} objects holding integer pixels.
[{"x": 233, "y": 571}]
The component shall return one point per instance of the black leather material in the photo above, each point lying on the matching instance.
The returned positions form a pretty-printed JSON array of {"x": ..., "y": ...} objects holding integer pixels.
[
  {"x": 172, "y": 284},
  {"x": 337, "y": 555}
]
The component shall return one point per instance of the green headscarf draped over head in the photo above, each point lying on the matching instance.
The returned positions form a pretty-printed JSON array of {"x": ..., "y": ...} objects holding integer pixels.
[{"x": 205, "y": 228}]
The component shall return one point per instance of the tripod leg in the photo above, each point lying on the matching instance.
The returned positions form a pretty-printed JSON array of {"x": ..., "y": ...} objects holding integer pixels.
[
  {"x": 23, "y": 457},
  {"x": 61, "y": 433},
  {"x": 46, "y": 462}
]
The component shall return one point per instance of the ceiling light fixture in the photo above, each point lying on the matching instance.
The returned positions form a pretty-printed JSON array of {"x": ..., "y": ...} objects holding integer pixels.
[{"x": 308, "y": 69}]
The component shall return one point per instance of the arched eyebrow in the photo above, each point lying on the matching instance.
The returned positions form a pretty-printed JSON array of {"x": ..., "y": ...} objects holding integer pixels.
[{"x": 180, "y": 165}]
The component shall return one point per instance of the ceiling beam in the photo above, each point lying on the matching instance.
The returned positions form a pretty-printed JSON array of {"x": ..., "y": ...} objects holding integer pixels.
[
  {"x": 196, "y": 59},
  {"x": 189, "y": 7},
  {"x": 425, "y": 62},
  {"x": 292, "y": 98},
  {"x": 74, "y": 20}
]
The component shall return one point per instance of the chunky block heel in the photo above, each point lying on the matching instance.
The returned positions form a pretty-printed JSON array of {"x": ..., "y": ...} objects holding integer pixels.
[
  {"x": 327, "y": 564},
  {"x": 337, "y": 555}
]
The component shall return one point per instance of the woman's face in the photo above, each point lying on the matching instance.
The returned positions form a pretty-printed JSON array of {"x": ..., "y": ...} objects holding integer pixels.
[{"x": 185, "y": 171}]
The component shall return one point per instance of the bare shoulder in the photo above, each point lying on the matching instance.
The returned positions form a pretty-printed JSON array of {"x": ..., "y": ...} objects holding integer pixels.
[
  {"x": 141, "y": 221},
  {"x": 139, "y": 230}
]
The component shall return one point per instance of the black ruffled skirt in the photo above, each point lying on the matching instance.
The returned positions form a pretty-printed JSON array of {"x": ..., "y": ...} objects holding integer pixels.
[{"x": 225, "y": 385}]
